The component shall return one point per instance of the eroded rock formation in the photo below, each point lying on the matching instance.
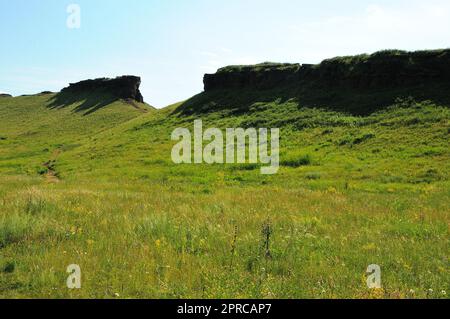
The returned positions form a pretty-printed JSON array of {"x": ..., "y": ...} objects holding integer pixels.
[
  {"x": 382, "y": 70},
  {"x": 123, "y": 87}
]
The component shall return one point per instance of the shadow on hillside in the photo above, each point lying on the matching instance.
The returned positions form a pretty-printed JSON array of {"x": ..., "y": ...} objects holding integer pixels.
[
  {"x": 234, "y": 103},
  {"x": 350, "y": 101},
  {"x": 86, "y": 103}
]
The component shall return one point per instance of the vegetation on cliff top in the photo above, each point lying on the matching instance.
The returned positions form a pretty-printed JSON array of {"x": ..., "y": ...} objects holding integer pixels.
[{"x": 359, "y": 85}]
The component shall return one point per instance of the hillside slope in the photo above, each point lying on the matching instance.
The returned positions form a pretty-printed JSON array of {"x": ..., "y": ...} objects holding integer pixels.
[
  {"x": 317, "y": 147},
  {"x": 318, "y": 144},
  {"x": 34, "y": 127},
  {"x": 353, "y": 189}
]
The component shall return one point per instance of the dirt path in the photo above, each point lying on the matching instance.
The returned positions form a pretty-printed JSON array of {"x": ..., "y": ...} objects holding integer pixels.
[
  {"x": 51, "y": 175},
  {"x": 135, "y": 105}
]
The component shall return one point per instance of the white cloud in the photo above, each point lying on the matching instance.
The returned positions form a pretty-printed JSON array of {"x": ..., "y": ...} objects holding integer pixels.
[
  {"x": 414, "y": 21},
  {"x": 419, "y": 25}
]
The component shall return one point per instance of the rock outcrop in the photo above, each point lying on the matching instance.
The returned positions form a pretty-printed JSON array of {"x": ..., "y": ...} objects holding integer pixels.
[
  {"x": 261, "y": 76},
  {"x": 123, "y": 87},
  {"x": 381, "y": 70},
  {"x": 358, "y": 84}
]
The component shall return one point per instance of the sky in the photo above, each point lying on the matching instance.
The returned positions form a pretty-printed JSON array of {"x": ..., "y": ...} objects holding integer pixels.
[{"x": 171, "y": 44}]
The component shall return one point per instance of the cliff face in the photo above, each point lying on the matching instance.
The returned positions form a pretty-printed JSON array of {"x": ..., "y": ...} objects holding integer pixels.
[
  {"x": 382, "y": 70},
  {"x": 124, "y": 87},
  {"x": 260, "y": 77},
  {"x": 358, "y": 85}
]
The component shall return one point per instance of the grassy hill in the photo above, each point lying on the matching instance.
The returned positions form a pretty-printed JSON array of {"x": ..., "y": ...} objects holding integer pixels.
[
  {"x": 34, "y": 127},
  {"x": 100, "y": 190}
]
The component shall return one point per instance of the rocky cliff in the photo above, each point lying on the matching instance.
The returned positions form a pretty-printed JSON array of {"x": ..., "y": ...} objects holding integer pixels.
[
  {"x": 358, "y": 84},
  {"x": 262, "y": 76},
  {"x": 124, "y": 87},
  {"x": 382, "y": 70}
]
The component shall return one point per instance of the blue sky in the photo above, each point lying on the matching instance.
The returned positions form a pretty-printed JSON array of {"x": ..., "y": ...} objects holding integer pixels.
[{"x": 172, "y": 43}]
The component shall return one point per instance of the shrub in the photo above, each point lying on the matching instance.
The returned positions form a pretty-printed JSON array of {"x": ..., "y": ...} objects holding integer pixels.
[
  {"x": 297, "y": 160},
  {"x": 8, "y": 267},
  {"x": 42, "y": 170},
  {"x": 349, "y": 140},
  {"x": 363, "y": 138}
]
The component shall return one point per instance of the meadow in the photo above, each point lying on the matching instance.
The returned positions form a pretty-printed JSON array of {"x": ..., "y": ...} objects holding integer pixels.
[{"x": 100, "y": 190}]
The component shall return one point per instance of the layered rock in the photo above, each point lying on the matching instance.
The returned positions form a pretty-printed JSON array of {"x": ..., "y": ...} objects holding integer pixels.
[
  {"x": 261, "y": 76},
  {"x": 123, "y": 87},
  {"x": 382, "y": 70}
]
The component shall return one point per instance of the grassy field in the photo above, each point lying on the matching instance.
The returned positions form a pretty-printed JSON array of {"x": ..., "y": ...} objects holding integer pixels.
[{"x": 100, "y": 190}]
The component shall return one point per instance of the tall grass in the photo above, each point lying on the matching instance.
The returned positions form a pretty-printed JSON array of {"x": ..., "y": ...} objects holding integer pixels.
[{"x": 140, "y": 226}]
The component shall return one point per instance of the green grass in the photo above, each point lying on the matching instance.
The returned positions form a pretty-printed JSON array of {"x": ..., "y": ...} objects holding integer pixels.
[{"x": 352, "y": 191}]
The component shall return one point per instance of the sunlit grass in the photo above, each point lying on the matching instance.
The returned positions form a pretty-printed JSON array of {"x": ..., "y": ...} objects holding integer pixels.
[{"x": 352, "y": 191}]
